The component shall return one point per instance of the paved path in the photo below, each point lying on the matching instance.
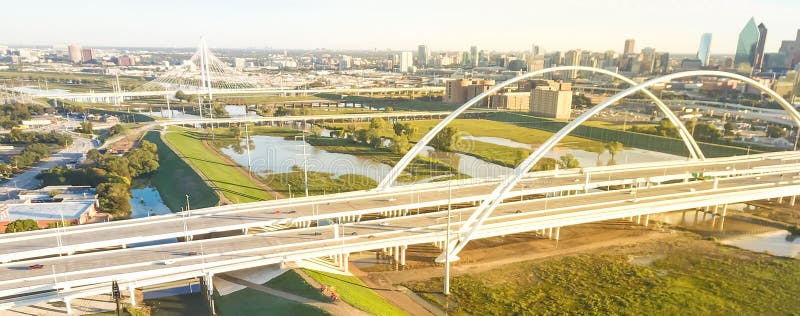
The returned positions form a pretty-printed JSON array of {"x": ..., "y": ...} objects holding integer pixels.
[
  {"x": 337, "y": 308},
  {"x": 27, "y": 179}
]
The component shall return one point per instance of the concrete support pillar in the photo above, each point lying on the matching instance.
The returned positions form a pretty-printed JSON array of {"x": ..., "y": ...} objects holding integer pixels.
[
  {"x": 558, "y": 233},
  {"x": 638, "y": 219},
  {"x": 646, "y": 220},
  {"x": 403, "y": 254},
  {"x": 791, "y": 201},
  {"x": 209, "y": 283},
  {"x": 345, "y": 263},
  {"x": 132, "y": 291},
  {"x": 68, "y": 303},
  {"x": 335, "y": 231},
  {"x": 244, "y": 231},
  {"x": 724, "y": 210},
  {"x": 550, "y": 233},
  {"x": 396, "y": 253},
  {"x": 780, "y": 200},
  {"x": 707, "y": 207},
  {"x": 389, "y": 251},
  {"x": 716, "y": 209}
]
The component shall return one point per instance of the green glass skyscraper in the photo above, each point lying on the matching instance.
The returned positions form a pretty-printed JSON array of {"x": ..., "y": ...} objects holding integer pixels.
[{"x": 746, "y": 47}]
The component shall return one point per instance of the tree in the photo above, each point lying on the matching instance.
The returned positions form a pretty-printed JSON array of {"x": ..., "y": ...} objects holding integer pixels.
[
  {"x": 406, "y": 129},
  {"x": 114, "y": 198},
  {"x": 568, "y": 161},
  {"x": 707, "y": 132},
  {"x": 21, "y": 225},
  {"x": 116, "y": 129},
  {"x": 445, "y": 140},
  {"x": 775, "y": 131},
  {"x": 316, "y": 130},
  {"x": 94, "y": 155},
  {"x": 86, "y": 128},
  {"x": 666, "y": 128},
  {"x": 378, "y": 123},
  {"x": 613, "y": 148},
  {"x": 597, "y": 150},
  {"x": 729, "y": 128},
  {"x": 399, "y": 145},
  {"x": 235, "y": 130},
  {"x": 545, "y": 164}
]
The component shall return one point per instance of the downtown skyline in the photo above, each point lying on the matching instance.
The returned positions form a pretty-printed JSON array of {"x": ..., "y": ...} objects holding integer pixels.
[{"x": 360, "y": 25}]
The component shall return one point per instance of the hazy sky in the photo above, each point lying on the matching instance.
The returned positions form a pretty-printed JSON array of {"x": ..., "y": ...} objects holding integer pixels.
[{"x": 598, "y": 25}]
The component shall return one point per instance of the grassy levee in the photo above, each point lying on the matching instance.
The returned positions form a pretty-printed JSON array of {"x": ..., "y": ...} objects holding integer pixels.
[
  {"x": 174, "y": 179},
  {"x": 353, "y": 291},
  {"x": 223, "y": 174},
  {"x": 662, "y": 144},
  {"x": 682, "y": 276}
]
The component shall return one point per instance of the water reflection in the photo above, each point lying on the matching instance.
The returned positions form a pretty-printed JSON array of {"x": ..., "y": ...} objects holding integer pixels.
[
  {"x": 273, "y": 154},
  {"x": 744, "y": 234}
]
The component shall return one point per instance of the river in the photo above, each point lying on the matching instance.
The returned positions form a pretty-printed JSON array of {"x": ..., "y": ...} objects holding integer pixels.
[{"x": 730, "y": 230}]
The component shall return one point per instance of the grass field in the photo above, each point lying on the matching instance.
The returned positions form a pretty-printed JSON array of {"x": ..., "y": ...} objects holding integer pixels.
[
  {"x": 683, "y": 276},
  {"x": 73, "y": 81},
  {"x": 223, "y": 174},
  {"x": 353, "y": 291},
  {"x": 175, "y": 179},
  {"x": 420, "y": 168},
  {"x": 319, "y": 183}
]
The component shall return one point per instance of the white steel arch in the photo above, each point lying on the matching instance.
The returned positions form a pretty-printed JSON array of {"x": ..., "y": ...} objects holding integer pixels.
[
  {"x": 688, "y": 140},
  {"x": 488, "y": 205}
]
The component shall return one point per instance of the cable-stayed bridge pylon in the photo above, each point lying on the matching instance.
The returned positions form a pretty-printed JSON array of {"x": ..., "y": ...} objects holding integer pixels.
[{"x": 203, "y": 72}]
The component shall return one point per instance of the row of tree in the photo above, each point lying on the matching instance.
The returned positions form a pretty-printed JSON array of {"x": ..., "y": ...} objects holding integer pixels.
[
  {"x": 12, "y": 114},
  {"x": 30, "y": 155},
  {"x": 16, "y": 136}
]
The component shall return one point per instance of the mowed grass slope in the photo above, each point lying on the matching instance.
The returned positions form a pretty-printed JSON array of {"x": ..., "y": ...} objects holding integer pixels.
[
  {"x": 353, "y": 291},
  {"x": 250, "y": 302},
  {"x": 222, "y": 173},
  {"x": 175, "y": 179}
]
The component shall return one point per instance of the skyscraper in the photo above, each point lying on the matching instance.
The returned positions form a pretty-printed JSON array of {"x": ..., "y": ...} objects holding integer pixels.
[
  {"x": 792, "y": 51},
  {"x": 87, "y": 55},
  {"x": 422, "y": 55},
  {"x": 473, "y": 56},
  {"x": 572, "y": 58},
  {"x": 75, "y": 53},
  {"x": 758, "y": 59},
  {"x": 406, "y": 62},
  {"x": 535, "y": 50},
  {"x": 704, "y": 52},
  {"x": 629, "y": 46},
  {"x": 746, "y": 47}
]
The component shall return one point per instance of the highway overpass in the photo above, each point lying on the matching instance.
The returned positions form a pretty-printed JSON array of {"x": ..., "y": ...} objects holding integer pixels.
[{"x": 553, "y": 200}]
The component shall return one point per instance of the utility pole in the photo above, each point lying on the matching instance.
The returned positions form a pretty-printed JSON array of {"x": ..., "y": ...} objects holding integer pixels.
[
  {"x": 447, "y": 240},
  {"x": 305, "y": 162}
]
